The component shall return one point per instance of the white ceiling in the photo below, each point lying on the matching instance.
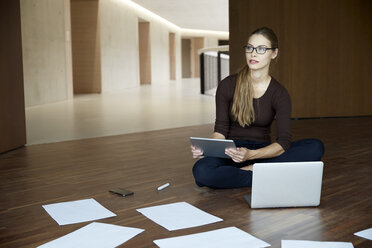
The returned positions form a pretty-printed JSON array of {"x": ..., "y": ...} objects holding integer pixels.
[{"x": 192, "y": 14}]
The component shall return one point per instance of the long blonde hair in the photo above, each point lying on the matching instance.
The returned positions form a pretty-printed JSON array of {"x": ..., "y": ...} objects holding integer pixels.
[{"x": 242, "y": 108}]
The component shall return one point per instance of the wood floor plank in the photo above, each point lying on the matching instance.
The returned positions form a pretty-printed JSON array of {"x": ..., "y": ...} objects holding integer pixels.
[{"x": 80, "y": 169}]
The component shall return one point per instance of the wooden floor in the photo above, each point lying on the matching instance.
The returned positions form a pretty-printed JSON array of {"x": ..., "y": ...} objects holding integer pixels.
[{"x": 44, "y": 174}]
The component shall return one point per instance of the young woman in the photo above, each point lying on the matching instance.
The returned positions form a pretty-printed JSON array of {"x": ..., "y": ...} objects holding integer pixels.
[{"x": 246, "y": 105}]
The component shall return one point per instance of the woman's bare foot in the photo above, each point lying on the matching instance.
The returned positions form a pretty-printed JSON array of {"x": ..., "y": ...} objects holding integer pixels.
[{"x": 248, "y": 167}]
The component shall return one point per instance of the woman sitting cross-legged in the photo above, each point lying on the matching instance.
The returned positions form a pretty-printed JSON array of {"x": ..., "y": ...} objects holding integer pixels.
[{"x": 246, "y": 105}]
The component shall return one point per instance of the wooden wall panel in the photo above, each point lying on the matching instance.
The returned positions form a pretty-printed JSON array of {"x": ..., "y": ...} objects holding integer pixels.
[
  {"x": 86, "y": 53},
  {"x": 12, "y": 105},
  {"x": 196, "y": 44},
  {"x": 323, "y": 58},
  {"x": 172, "y": 55},
  {"x": 144, "y": 52},
  {"x": 68, "y": 48},
  {"x": 186, "y": 58}
]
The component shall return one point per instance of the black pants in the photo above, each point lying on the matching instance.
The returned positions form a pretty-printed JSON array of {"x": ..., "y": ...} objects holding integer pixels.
[{"x": 225, "y": 173}]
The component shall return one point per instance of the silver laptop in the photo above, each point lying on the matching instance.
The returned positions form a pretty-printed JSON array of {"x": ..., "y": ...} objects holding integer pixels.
[{"x": 290, "y": 184}]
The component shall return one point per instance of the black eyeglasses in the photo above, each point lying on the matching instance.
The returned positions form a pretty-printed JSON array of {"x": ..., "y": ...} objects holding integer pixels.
[{"x": 259, "y": 49}]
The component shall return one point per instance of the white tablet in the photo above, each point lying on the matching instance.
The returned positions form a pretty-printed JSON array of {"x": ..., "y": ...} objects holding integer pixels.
[{"x": 212, "y": 147}]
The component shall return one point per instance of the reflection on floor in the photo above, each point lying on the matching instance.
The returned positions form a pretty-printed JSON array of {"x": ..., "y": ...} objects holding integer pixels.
[{"x": 149, "y": 107}]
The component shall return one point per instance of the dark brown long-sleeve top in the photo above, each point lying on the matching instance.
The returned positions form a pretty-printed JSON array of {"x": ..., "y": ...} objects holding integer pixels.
[{"x": 275, "y": 102}]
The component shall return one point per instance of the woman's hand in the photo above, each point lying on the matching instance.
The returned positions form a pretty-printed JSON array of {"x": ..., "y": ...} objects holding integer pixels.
[
  {"x": 240, "y": 154},
  {"x": 196, "y": 152}
]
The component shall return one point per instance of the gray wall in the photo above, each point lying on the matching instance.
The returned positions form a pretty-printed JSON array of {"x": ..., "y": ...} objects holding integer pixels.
[
  {"x": 46, "y": 51},
  {"x": 46, "y": 41}
]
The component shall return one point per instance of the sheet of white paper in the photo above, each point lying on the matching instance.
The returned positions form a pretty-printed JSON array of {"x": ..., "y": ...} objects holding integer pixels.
[
  {"x": 314, "y": 244},
  {"x": 367, "y": 234},
  {"x": 95, "y": 235},
  {"x": 220, "y": 238},
  {"x": 178, "y": 215},
  {"x": 77, "y": 211}
]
